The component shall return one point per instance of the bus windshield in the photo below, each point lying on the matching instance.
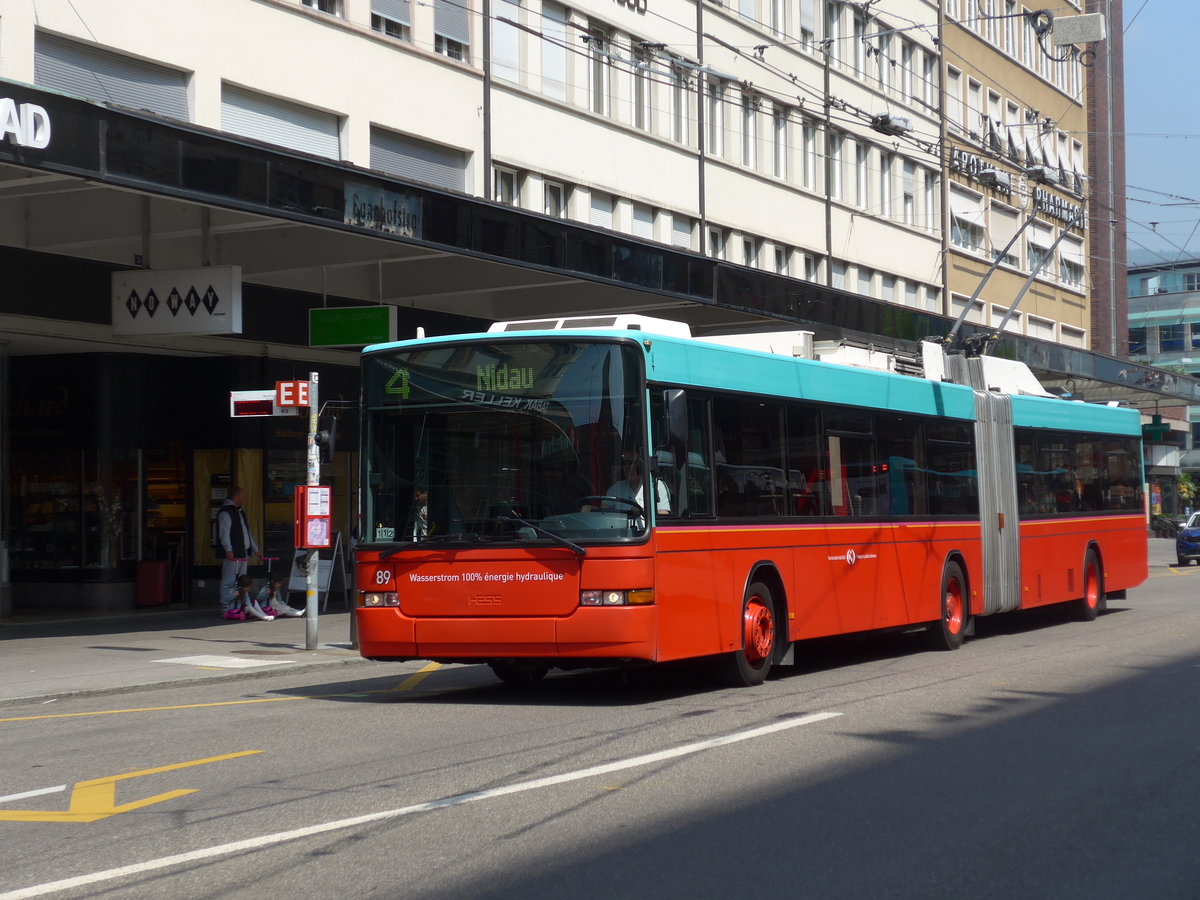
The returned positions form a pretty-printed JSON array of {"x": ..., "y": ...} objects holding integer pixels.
[{"x": 503, "y": 440}]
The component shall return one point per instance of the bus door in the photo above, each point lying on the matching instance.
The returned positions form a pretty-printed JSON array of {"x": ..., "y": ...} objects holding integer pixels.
[{"x": 1000, "y": 532}]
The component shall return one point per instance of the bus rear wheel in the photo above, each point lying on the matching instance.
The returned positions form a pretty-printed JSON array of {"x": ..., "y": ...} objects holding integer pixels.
[
  {"x": 1090, "y": 605},
  {"x": 518, "y": 675},
  {"x": 749, "y": 666},
  {"x": 948, "y": 631}
]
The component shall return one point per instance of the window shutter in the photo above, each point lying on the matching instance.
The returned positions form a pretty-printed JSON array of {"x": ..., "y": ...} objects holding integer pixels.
[
  {"x": 643, "y": 222},
  {"x": 279, "y": 122},
  {"x": 85, "y": 71},
  {"x": 681, "y": 232},
  {"x": 602, "y": 210},
  {"x": 396, "y": 10},
  {"x": 505, "y": 44},
  {"x": 412, "y": 158},
  {"x": 450, "y": 20},
  {"x": 554, "y": 51}
]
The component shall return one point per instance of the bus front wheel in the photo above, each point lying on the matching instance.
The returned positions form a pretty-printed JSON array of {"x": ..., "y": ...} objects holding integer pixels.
[
  {"x": 1087, "y": 607},
  {"x": 948, "y": 631},
  {"x": 749, "y": 665}
]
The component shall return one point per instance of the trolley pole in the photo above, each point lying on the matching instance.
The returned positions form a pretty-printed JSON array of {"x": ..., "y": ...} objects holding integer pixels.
[{"x": 314, "y": 479}]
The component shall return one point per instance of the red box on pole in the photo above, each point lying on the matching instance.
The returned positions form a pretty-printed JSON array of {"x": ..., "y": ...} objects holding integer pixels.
[{"x": 291, "y": 393}]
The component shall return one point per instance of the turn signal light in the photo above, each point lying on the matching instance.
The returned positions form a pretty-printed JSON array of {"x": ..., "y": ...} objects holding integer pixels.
[
  {"x": 375, "y": 598},
  {"x": 616, "y": 598}
]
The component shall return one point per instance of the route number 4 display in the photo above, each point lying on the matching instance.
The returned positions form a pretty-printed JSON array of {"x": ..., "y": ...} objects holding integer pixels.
[{"x": 313, "y": 513}]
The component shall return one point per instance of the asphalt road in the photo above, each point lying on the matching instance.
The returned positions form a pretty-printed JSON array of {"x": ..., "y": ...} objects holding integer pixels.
[{"x": 1047, "y": 758}]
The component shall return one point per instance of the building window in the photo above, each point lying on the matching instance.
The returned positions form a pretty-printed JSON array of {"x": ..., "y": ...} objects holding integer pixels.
[
  {"x": 908, "y": 201},
  {"x": 883, "y": 56},
  {"x": 1191, "y": 281},
  {"x": 679, "y": 105},
  {"x": 1071, "y": 267},
  {"x": 1072, "y": 337},
  {"x": 1042, "y": 329},
  {"x": 554, "y": 199},
  {"x": 750, "y": 251},
  {"x": 642, "y": 90},
  {"x": 715, "y": 114},
  {"x": 861, "y": 176},
  {"x": 888, "y": 286},
  {"x": 954, "y": 100},
  {"x": 779, "y": 16},
  {"x": 885, "y": 184},
  {"x": 716, "y": 243},
  {"x": 331, "y": 7},
  {"x": 866, "y": 281},
  {"x": 452, "y": 29},
  {"x": 600, "y": 69},
  {"x": 966, "y": 222},
  {"x": 836, "y": 144},
  {"x": 506, "y": 186},
  {"x": 838, "y": 275},
  {"x": 783, "y": 260},
  {"x": 601, "y": 210},
  {"x": 808, "y": 21},
  {"x": 506, "y": 40},
  {"x": 749, "y": 130},
  {"x": 681, "y": 232},
  {"x": 808, "y": 172},
  {"x": 391, "y": 17},
  {"x": 554, "y": 51},
  {"x": 1137, "y": 341},
  {"x": 859, "y": 43},
  {"x": 1170, "y": 338},
  {"x": 833, "y": 30},
  {"x": 779, "y": 142}
]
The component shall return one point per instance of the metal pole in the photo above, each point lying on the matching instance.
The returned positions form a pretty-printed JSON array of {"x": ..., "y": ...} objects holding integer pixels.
[{"x": 314, "y": 479}]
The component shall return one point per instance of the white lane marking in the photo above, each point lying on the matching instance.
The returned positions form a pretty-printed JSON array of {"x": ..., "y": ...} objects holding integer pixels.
[
  {"x": 257, "y": 843},
  {"x": 224, "y": 662},
  {"x": 39, "y": 792}
]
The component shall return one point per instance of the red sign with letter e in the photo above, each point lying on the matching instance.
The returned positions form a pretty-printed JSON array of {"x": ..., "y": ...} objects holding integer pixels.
[{"x": 291, "y": 393}]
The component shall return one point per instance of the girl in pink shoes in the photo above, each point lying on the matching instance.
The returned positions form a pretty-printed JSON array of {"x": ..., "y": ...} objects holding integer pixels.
[{"x": 272, "y": 599}]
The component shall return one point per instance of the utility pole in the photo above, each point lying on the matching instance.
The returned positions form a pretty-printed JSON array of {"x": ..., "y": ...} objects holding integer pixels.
[{"x": 313, "y": 480}]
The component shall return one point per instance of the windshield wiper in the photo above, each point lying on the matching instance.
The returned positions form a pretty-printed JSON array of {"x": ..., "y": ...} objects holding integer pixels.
[{"x": 556, "y": 538}]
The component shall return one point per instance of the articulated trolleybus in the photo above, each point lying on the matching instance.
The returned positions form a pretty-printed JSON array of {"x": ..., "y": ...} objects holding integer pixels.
[{"x": 612, "y": 491}]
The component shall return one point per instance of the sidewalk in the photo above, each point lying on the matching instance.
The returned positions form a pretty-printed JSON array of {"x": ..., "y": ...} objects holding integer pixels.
[{"x": 40, "y": 660}]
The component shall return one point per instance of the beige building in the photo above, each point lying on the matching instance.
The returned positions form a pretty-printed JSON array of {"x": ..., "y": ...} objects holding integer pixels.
[{"x": 1016, "y": 193}]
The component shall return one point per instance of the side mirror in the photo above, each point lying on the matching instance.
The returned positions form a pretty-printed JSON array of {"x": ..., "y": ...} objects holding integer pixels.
[{"x": 675, "y": 405}]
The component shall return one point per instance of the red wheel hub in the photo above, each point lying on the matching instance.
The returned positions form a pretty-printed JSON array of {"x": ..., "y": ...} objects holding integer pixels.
[
  {"x": 954, "y": 606},
  {"x": 758, "y": 627},
  {"x": 1091, "y": 588}
]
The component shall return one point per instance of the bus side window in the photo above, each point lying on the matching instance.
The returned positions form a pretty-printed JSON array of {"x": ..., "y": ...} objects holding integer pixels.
[{"x": 805, "y": 470}]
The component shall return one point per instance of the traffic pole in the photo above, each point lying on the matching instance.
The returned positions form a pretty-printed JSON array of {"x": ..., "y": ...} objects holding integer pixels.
[{"x": 314, "y": 479}]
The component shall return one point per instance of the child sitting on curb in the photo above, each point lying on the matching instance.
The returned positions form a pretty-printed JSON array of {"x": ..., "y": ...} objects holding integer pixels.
[
  {"x": 237, "y": 604},
  {"x": 272, "y": 598}
]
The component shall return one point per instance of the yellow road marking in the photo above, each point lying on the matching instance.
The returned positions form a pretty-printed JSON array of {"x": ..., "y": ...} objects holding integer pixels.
[
  {"x": 417, "y": 677},
  {"x": 114, "y": 712},
  {"x": 408, "y": 683},
  {"x": 96, "y": 798}
]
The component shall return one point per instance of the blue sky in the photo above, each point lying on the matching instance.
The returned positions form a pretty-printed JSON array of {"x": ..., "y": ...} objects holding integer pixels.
[{"x": 1162, "y": 94}]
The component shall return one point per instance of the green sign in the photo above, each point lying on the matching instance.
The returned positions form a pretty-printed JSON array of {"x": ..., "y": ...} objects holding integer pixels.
[{"x": 351, "y": 326}]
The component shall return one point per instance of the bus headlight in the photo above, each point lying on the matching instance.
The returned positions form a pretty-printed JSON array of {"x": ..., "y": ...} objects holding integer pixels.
[
  {"x": 616, "y": 598},
  {"x": 378, "y": 598}
]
